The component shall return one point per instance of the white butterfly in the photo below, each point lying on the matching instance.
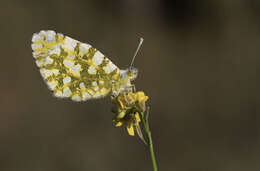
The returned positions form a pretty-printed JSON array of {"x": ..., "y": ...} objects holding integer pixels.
[{"x": 77, "y": 70}]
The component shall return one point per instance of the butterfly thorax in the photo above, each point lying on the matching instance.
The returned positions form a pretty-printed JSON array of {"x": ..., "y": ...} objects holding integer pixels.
[{"x": 124, "y": 83}]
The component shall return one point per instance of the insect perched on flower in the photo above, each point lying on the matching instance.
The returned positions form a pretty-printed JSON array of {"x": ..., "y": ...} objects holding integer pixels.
[{"x": 76, "y": 70}]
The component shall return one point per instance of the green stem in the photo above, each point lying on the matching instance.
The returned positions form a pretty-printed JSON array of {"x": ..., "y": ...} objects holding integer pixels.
[
  {"x": 150, "y": 142},
  {"x": 149, "y": 136}
]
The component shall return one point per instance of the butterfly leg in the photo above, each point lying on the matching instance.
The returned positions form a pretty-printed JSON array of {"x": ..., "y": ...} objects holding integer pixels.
[{"x": 132, "y": 86}]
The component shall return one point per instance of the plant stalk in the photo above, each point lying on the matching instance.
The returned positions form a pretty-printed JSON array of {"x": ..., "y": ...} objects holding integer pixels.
[
  {"x": 147, "y": 131},
  {"x": 150, "y": 142}
]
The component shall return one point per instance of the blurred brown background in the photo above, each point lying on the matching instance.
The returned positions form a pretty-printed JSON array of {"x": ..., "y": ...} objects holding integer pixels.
[{"x": 198, "y": 66}]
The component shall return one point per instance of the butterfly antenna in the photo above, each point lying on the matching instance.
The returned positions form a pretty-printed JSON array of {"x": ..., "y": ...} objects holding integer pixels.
[{"x": 140, "y": 44}]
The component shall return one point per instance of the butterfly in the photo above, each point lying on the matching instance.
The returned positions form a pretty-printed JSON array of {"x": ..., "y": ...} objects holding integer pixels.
[{"x": 76, "y": 70}]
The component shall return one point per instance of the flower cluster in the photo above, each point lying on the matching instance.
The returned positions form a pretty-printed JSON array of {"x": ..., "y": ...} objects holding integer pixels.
[{"x": 128, "y": 107}]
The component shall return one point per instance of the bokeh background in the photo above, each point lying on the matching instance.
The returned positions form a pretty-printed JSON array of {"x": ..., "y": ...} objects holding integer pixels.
[{"x": 198, "y": 65}]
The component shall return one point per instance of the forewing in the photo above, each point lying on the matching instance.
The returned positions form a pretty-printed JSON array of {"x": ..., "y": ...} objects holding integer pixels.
[{"x": 72, "y": 69}]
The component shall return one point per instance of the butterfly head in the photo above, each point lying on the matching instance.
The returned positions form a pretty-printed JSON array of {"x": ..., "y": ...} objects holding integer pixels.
[{"x": 132, "y": 72}]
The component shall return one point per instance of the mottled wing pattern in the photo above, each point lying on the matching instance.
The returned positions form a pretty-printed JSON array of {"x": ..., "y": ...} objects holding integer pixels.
[{"x": 73, "y": 69}]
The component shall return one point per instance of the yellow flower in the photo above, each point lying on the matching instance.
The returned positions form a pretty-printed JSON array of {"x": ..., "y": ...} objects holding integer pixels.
[
  {"x": 128, "y": 107},
  {"x": 142, "y": 98}
]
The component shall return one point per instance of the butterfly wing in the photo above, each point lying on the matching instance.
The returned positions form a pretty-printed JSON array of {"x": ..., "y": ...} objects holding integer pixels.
[{"x": 73, "y": 69}]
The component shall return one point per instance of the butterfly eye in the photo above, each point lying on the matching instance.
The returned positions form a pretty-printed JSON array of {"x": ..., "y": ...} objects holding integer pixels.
[
  {"x": 132, "y": 72},
  {"x": 132, "y": 69}
]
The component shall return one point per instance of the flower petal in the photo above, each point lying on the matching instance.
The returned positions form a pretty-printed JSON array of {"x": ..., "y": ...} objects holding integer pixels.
[
  {"x": 119, "y": 100},
  {"x": 121, "y": 114},
  {"x": 118, "y": 124},
  {"x": 130, "y": 129},
  {"x": 137, "y": 118},
  {"x": 141, "y": 96}
]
